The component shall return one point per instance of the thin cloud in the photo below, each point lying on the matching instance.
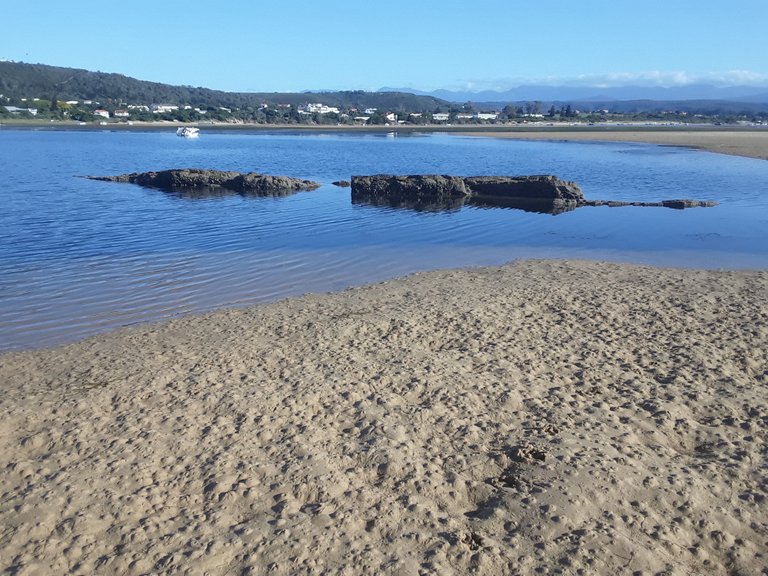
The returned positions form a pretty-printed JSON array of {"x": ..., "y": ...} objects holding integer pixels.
[{"x": 655, "y": 78}]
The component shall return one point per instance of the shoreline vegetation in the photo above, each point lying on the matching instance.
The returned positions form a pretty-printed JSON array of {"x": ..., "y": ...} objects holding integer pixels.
[
  {"x": 533, "y": 417},
  {"x": 747, "y": 141}
]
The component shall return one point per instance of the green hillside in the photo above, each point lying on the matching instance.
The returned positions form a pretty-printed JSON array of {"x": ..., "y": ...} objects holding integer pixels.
[{"x": 20, "y": 80}]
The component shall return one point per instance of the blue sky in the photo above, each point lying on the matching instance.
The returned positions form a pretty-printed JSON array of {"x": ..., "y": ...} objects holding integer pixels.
[{"x": 296, "y": 45}]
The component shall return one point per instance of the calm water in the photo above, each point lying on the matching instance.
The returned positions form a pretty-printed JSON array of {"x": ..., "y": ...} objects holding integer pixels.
[{"x": 79, "y": 257}]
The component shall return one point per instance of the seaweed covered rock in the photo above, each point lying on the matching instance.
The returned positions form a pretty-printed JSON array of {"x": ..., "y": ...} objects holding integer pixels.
[
  {"x": 536, "y": 193},
  {"x": 191, "y": 179},
  {"x": 543, "y": 194},
  {"x": 425, "y": 188}
]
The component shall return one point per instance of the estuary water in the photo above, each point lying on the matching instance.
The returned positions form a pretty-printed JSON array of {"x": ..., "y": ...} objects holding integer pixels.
[{"x": 79, "y": 257}]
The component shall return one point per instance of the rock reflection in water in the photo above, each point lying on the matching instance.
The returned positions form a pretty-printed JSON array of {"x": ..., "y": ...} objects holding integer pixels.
[
  {"x": 451, "y": 205},
  {"x": 213, "y": 192},
  {"x": 552, "y": 207}
]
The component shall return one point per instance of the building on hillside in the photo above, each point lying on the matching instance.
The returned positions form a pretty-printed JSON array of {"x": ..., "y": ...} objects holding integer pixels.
[
  {"x": 317, "y": 108},
  {"x": 122, "y": 114},
  {"x": 100, "y": 112},
  {"x": 163, "y": 108},
  {"x": 440, "y": 116},
  {"x": 15, "y": 110},
  {"x": 487, "y": 115}
]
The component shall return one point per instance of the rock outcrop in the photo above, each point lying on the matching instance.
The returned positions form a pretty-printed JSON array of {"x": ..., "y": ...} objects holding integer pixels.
[
  {"x": 191, "y": 179},
  {"x": 431, "y": 192},
  {"x": 532, "y": 187},
  {"x": 426, "y": 188}
]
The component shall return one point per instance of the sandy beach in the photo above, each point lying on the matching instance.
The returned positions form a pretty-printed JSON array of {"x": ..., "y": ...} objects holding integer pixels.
[
  {"x": 545, "y": 417},
  {"x": 749, "y": 143}
]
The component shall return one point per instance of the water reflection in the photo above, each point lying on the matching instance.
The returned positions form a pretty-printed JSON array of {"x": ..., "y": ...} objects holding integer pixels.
[
  {"x": 213, "y": 192},
  {"x": 552, "y": 207}
]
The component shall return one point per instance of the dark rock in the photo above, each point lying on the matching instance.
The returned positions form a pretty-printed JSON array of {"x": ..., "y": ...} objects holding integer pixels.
[
  {"x": 420, "y": 189},
  {"x": 544, "y": 194},
  {"x": 532, "y": 187},
  {"x": 206, "y": 181},
  {"x": 342, "y": 183},
  {"x": 681, "y": 204},
  {"x": 676, "y": 204}
]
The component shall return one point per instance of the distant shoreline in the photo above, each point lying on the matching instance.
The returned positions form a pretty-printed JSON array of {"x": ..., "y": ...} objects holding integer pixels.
[{"x": 747, "y": 141}]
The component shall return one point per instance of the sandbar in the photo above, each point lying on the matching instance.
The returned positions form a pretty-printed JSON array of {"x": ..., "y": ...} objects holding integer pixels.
[
  {"x": 539, "y": 417},
  {"x": 749, "y": 143}
]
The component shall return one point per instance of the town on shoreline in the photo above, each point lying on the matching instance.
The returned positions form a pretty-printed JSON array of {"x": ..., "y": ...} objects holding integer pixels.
[{"x": 14, "y": 110}]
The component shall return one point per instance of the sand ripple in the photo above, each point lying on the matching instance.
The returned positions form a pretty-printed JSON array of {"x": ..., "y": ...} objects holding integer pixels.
[{"x": 569, "y": 417}]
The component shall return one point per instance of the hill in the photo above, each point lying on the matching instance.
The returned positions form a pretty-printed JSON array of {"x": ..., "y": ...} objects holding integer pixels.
[{"x": 21, "y": 80}]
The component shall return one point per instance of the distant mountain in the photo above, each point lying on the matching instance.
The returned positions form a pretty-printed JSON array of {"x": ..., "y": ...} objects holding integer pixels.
[
  {"x": 588, "y": 94},
  {"x": 20, "y": 80},
  {"x": 705, "y": 107}
]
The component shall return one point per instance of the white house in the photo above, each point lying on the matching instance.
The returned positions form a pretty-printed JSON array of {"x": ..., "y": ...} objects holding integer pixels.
[
  {"x": 440, "y": 116},
  {"x": 487, "y": 115},
  {"x": 122, "y": 114},
  {"x": 163, "y": 108},
  {"x": 370, "y": 111},
  {"x": 15, "y": 110},
  {"x": 102, "y": 113},
  {"x": 391, "y": 117},
  {"x": 317, "y": 108}
]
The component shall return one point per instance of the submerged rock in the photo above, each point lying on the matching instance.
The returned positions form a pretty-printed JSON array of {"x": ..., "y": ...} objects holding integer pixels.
[
  {"x": 210, "y": 180},
  {"x": 342, "y": 183},
  {"x": 676, "y": 204}
]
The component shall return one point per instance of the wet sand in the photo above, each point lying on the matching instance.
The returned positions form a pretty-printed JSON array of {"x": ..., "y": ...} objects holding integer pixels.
[
  {"x": 750, "y": 143},
  {"x": 541, "y": 417}
]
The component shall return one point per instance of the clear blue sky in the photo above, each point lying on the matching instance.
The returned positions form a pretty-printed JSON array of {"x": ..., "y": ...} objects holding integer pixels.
[{"x": 296, "y": 45}]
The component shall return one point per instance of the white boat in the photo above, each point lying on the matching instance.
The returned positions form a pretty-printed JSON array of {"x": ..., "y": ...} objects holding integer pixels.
[{"x": 188, "y": 132}]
